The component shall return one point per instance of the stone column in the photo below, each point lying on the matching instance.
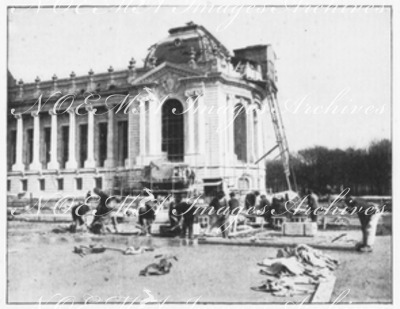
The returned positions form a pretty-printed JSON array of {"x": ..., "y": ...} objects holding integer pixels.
[
  {"x": 250, "y": 135},
  {"x": 19, "y": 164},
  {"x": 222, "y": 127},
  {"x": 53, "y": 164},
  {"x": 36, "y": 164},
  {"x": 90, "y": 162},
  {"x": 264, "y": 127},
  {"x": 155, "y": 130},
  {"x": 142, "y": 131},
  {"x": 202, "y": 131},
  {"x": 201, "y": 125},
  {"x": 71, "y": 163},
  {"x": 110, "y": 161},
  {"x": 131, "y": 159},
  {"x": 260, "y": 142},
  {"x": 230, "y": 125},
  {"x": 190, "y": 149}
]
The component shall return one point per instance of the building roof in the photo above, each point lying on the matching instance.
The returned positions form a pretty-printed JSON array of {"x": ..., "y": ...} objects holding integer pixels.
[
  {"x": 191, "y": 41},
  {"x": 190, "y": 48}
]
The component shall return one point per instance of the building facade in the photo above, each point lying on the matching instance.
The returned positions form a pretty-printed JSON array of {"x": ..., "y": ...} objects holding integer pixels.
[{"x": 192, "y": 103}]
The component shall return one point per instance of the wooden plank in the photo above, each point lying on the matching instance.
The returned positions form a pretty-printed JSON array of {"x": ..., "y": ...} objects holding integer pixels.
[
  {"x": 248, "y": 242},
  {"x": 250, "y": 230},
  {"x": 324, "y": 291}
]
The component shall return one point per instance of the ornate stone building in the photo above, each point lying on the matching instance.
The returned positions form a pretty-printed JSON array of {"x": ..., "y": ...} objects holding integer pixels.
[{"x": 193, "y": 103}]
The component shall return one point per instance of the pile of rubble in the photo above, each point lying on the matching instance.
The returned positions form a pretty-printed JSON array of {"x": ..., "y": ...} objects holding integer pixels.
[{"x": 296, "y": 271}]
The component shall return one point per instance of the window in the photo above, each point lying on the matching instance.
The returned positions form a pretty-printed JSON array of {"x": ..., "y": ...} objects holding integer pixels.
[
  {"x": 173, "y": 130},
  {"x": 240, "y": 132},
  {"x": 24, "y": 184},
  {"x": 102, "y": 142},
  {"x": 60, "y": 184},
  {"x": 29, "y": 153},
  {"x": 98, "y": 181},
  {"x": 243, "y": 184},
  {"x": 13, "y": 148},
  {"x": 83, "y": 128},
  {"x": 47, "y": 144},
  {"x": 8, "y": 185},
  {"x": 122, "y": 142},
  {"x": 65, "y": 145},
  {"x": 78, "y": 183},
  {"x": 42, "y": 184}
]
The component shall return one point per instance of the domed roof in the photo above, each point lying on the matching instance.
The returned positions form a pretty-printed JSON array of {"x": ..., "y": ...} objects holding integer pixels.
[{"x": 190, "y": 42}]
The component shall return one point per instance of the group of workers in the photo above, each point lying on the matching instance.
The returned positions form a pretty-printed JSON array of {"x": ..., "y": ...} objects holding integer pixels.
[
  {"x": 182, "y": 213},
  {"x": 104, "y": 207}
]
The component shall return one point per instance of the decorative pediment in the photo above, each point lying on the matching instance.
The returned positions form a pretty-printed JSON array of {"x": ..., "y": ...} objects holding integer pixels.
[{"x": 166, "y": 75}]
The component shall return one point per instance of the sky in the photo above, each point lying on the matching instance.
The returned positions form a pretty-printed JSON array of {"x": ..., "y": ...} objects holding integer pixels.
[{"x": 333, "y": 66}]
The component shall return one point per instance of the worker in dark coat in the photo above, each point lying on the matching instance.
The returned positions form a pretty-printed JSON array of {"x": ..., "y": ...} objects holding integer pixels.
[
  {"x": 78, "y": 212},
  {"x": 104, "y": 208},
  {"x": 186, "y": 213},
  {"x": 278, "y": 207},
  {"x": 251, "y": 199},
  {"x": 265, "y": 208},
  {"x": 146, "y": 211},
  {"x": 173, "y": 219},
  {"x": 221, "y": 207},
  {"x": 234, "y": 209},
  {"x": 369, "y": 215}
]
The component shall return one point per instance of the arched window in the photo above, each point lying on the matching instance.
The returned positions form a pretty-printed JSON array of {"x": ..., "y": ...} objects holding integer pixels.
[
  {"x": 243, "y": 183},
  {"x": 173, "y": 130},
  {"x": 240, "y": 132}
]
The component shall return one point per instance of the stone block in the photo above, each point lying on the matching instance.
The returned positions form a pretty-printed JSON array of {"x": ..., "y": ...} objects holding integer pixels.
[
  {"x": 293, "y": 229},
  {"x": 310, "y": 228}
]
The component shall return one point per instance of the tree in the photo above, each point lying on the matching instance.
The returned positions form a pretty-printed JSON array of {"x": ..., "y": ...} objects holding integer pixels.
[{"x": 364, "y": 171}]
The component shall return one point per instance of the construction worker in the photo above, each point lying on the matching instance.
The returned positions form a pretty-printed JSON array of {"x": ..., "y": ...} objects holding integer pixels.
[
  {"x": 77, "y": 212},
  {"x": 233, "y": 211},
  {"x": 173, "y": 219},
  {"x": 368, "y": 215},
  {"x": 251, "y": 199},
  {"x": 312, "y": 200},
  {"x": 146, "y": 211},
  {"x": 265, "y": 208},
  {"x": 223, "y": 214},
  {"x": 220, "y": 205},
  {"x": 103, "y": 211},
  {"x": 185, "y": 212}
]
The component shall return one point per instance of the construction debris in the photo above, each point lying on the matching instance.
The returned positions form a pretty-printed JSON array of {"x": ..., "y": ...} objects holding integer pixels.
[
  {"x": 339, "y": 237},
  {"x": 286, "y": 286},
  {"x": 162, "y": 267},
  {"x": 136, "y": 251},
  {"x": 281, "y": 267},
  {"x": 83, "y": 250},
  {"x": 292, "y": 267},
  {"x": 309, "y": 256}
]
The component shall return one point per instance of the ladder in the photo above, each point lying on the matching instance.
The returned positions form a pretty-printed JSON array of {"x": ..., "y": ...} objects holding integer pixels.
[{"x": 280, "y": 136}]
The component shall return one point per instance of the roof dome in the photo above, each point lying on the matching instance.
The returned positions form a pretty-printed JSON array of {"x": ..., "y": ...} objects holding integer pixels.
[{"x": 190, "y": 42}]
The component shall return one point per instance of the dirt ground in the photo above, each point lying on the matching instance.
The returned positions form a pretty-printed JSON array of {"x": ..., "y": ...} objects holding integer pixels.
[{"x": 41, "y": 265}]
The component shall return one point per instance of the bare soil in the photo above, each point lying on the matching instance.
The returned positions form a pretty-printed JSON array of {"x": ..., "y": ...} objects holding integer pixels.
[{"x": 41, "y": 265}]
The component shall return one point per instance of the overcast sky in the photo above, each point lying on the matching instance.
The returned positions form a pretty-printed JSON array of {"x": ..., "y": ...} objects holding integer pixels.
[{"x": 333, "y": 65}]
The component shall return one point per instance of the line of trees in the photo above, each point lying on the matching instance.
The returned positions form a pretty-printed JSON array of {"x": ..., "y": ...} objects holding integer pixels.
[{"x": 365, "y": 171}]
